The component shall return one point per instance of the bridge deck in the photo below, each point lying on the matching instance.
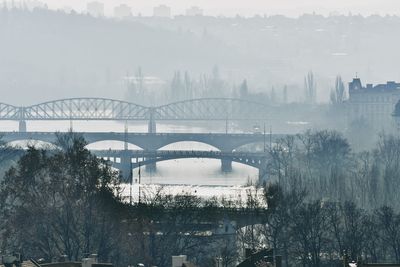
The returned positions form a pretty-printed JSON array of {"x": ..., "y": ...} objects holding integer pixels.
[
  {"x": 153, "y": 141},
  {"x": 183, "y": 153}
]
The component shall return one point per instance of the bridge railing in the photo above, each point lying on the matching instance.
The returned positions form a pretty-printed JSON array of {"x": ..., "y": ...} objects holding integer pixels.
[{"x": 163, "y": 153}]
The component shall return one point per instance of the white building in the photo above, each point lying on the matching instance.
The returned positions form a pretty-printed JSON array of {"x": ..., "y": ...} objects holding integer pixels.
[
  {"x": 373, "y": 104},
  {"x": 194, "y": 11},
  {"x": 122, "y": 11},
  {"x": 95, "y": 9},
  {"x": 162, "y": 11}
]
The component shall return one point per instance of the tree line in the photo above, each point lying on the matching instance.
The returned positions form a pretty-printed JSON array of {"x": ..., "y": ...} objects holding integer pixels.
[{"x": 322, "y": 202}]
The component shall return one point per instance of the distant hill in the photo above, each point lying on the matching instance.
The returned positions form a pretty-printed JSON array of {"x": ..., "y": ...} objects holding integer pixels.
[{"x": 47, "y": 54}]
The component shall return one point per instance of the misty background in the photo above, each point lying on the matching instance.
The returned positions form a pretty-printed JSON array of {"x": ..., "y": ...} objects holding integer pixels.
[
  {"x": 48, "y": 54},
  {"x": 292, "y": 8}
]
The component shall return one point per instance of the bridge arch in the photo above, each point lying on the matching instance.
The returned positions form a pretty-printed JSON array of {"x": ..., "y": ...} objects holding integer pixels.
[
  {"x": 112, "y": 144},
  {"x": 213, "y": 109},
  {"x": 156, "y": 160},
  {"x": 173, "y": 155},
  {"x": 119, "y": 165},
  {"x": 136, "y": 140},
  {"x": 86, "y": 109},
  {"x": 251, "y": 146},
  {"x": 196, "y": 145},
  {"x": 25, "y": 143},
  {"x": 220, "y": 141},
  {"x": 18, "y": 136}
]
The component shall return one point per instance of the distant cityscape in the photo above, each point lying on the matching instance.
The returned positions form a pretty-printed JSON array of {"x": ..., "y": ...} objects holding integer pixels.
[
  {"x": 97, "y": 9},
  {"x": 186, "y": 133}
]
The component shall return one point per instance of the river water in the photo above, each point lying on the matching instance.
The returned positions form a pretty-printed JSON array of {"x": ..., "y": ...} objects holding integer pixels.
[{"x": 200, "y": 175}]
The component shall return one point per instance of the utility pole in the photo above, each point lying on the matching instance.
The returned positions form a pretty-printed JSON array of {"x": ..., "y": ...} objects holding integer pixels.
[
  {"x": 131, "y": 180},
  {"x": 139, "y": 174},
  {"x": 226, "y": 125},
  {"x": 219, "y": 261},
  {"x": 264, "y": 138},
  {"x": 71, "y": 125},
  {"x": 270, "y": 136},
  {"x": 130, "y": 161},
  {"x": 126, "y": 136}
]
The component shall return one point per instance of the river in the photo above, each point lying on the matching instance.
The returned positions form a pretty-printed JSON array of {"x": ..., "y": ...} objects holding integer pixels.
[{"x": 201, "y": 173}]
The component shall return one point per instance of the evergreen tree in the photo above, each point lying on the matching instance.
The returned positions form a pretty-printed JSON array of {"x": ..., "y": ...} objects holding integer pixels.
[
  {"x": 244, "y": 91},
  {"x": 310, "y": 88},
  {"x": 285, "y": 95}
]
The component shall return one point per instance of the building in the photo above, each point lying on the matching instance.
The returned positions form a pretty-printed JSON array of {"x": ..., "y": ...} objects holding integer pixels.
[
  {"x": 95, "y": 9},
  {"x": 373, "y": 104},
  {"x": 261, "y": 258},
  {"x": 122, "y": 11},
  {"x": 194, "y": 11},
  {"x": 162, "y": 11}
]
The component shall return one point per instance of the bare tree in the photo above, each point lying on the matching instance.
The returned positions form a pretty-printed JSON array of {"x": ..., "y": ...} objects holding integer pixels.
[
  {"x": 310, "y": 88},
  {"x": 338, "y": 95},
  {"x": 66, "y": 197},
  {"x": 309, "y": 233},
  {"x": 389, "y": 223}
]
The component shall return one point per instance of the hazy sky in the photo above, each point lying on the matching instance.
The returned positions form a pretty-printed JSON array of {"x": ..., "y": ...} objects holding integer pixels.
[{"x": 247, "y": 7}]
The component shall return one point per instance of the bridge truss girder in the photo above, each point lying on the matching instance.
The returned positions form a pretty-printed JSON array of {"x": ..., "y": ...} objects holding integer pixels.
[
  {"x": 9, "y": 112},
  {"x": 86, "y": 109},
  {"x": 108, "y": 109}
]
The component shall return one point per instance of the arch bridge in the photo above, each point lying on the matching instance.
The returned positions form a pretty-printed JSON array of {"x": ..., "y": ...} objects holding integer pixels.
[
  {"x": 225, "y": 143},
  {"x": 149, "y": 141},
  {"x": 217, "y": 109},
  {"x": 127, "y": 160}
]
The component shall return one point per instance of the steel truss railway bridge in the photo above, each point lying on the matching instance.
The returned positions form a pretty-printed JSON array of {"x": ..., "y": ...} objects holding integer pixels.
[{"x": 204, "y": 109}]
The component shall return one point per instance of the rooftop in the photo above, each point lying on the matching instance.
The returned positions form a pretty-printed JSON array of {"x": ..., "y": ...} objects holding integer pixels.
[{"x": 356, "y": 86}]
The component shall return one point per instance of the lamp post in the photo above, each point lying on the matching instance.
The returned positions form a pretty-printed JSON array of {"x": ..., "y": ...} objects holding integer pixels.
[
  {"x": 219, "y": 261},
  {"x": 264, "y": 138}
]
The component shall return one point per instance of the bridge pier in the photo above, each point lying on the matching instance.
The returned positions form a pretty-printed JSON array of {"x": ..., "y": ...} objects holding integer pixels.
[
  {"x": 152, "y": 127},
  {"x": 151, "y": 168},
  {"x": 226, "y": 165},
  {"x": 126, "y": 168},
  {"x": 22, "y": 126},
  {"x": 262, "y": 174}
]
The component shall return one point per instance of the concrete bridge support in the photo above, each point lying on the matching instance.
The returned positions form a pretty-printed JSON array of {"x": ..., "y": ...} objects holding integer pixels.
[
  {"x": 226, "y": 165},
  {"x": 22, "y": 126},
  {"x": 152, "y": 167},
  {"x": 126, "y": 168},
  {"x": 263, "y": 174},
  {"x": 152, "y": 127}
]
